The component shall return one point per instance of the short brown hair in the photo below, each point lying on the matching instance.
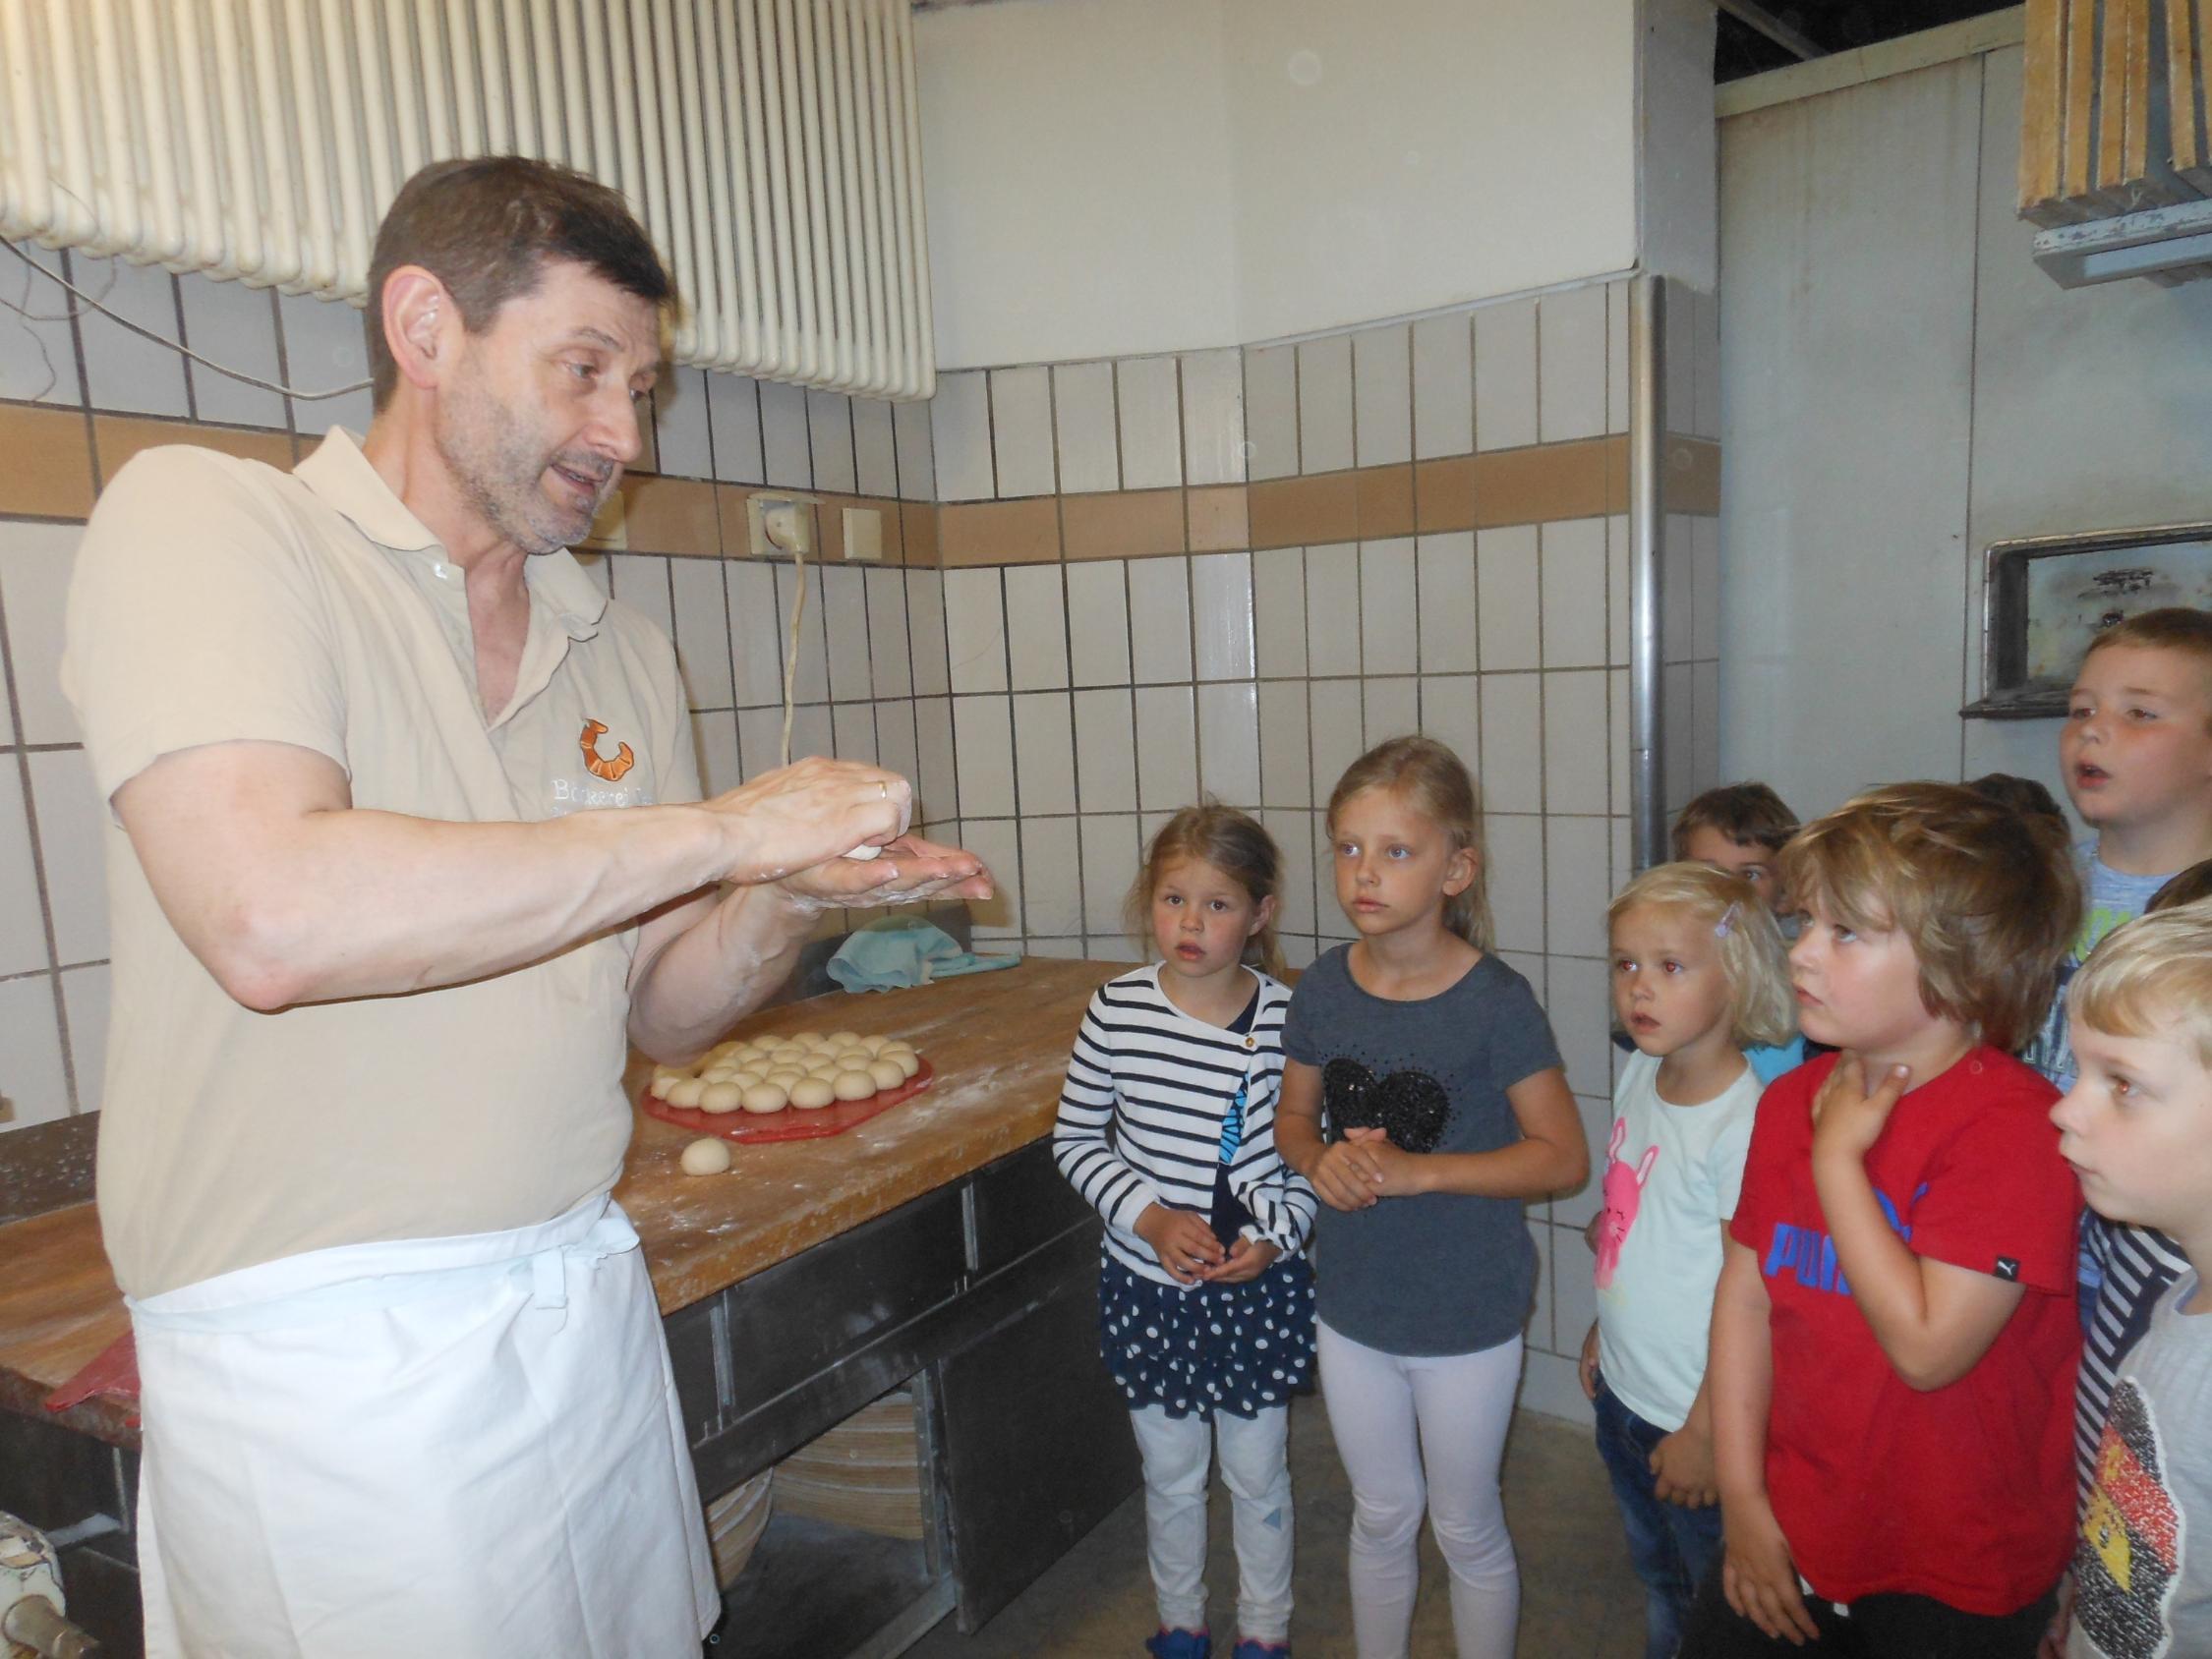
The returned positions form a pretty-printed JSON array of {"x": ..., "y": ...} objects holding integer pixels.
[
  {"x": 1748, "y": 814},
  {"x": 487, "y": 225},
  {"x": 1986, "y": 896},
  {"x": 2174, "y": 627},
  {"x": 1442, "y": 788},
  {"x": 2151, "y": 977},
  {"x": 1235, "y": 844},
  {"x": 1753, "y": 959},
  {"x": 2188, "y": 887},
  {"x": 2021, "y": 794}
]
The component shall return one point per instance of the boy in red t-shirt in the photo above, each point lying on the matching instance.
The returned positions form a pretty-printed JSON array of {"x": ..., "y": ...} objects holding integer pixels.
[{"x": 1894, "y": 1337}]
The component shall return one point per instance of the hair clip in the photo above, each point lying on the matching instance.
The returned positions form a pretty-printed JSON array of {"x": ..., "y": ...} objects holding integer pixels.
[{"x": 1722, "y": 928}]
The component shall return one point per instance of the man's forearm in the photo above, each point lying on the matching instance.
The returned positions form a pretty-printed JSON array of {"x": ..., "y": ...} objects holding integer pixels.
[
  {"x": 352, "y": 902},
  {"x": 731, "y": 960}
]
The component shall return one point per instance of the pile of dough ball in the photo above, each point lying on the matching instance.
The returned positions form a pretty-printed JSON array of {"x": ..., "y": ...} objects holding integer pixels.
[{"x": 807, "y": 1070}]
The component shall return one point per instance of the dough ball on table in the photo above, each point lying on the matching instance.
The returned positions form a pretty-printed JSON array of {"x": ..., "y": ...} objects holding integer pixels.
[
  {"x": 853, "y": 1085},
  {"x": 709, "y": 1154},
  {"x": 809, "y": 1094},
  {"x": 685, "y": 1093},
  {"x": 790, "y": 1054},
  {"x": 906, "y": 1059},
  {"x": 721, "y": 1096},
  {"x": 750, "y": 1077},
  {"x": 804, "y": 1039},
  {"x": 665, "y": 1078},
  {"x": 783, "y": 1076},
  {"x": 886, "y": 1073},
  {"x": 843, "y": 1040},
  {"x": 718, "y": 1075},
  {"x": 875, "y": 1045},
  {"x": 825, "y": 1070},
  {"x": 854, "y": 1060},
  {"x": 765, "y": 1098}
]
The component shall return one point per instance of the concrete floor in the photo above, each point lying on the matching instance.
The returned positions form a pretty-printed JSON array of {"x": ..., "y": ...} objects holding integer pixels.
[{"x": 1579, "y": 1600}]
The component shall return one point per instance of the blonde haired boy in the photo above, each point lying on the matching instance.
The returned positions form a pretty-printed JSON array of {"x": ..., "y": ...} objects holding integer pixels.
[{"x": 2137, "y": 1129}]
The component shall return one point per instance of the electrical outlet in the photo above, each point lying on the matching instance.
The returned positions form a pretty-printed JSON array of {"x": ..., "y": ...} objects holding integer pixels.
[{"x": 779, "y": 526}]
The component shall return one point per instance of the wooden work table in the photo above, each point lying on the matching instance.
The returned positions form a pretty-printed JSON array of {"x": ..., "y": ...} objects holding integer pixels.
[{"x": 997, "y": 1042}]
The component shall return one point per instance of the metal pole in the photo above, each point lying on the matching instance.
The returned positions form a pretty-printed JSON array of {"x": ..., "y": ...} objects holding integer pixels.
[{"x": 1647, "y": 533}]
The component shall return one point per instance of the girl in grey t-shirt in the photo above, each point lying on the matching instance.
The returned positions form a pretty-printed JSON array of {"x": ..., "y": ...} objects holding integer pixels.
[{"x": 1423, "y": 1099}]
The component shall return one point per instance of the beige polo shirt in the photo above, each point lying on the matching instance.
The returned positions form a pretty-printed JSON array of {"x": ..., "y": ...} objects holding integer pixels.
[{"x": 216, "y": 598}]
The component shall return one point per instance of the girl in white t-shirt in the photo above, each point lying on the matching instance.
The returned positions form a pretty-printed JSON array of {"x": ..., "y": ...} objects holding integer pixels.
[{"x": 1699, "y": 973}]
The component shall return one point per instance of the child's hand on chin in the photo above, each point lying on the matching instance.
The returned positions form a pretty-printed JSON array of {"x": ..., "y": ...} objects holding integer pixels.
[{"x": 1847, "y": 1119}]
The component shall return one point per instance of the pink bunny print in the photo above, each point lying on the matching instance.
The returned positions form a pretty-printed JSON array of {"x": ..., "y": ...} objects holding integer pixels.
[{"x": 1624, "y": 1195}]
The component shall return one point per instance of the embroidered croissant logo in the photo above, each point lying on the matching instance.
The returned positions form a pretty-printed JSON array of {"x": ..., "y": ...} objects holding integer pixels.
[{"x": 595, "y": 764}]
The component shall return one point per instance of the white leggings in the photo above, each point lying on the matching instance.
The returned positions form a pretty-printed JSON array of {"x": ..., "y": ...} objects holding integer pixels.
[
  {"x": 1178, "y": 1456},
  {"x": 1425, "y": 1433}
]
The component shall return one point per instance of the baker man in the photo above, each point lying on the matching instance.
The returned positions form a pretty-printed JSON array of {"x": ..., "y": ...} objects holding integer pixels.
[{"x": 405, "y": 838}]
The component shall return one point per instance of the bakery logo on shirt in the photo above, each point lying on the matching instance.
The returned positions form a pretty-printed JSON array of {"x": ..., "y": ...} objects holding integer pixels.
[
  {"x": 569, "y": 793},
  {"x": 1810, "y": 1253},
  {"x": 2126, "y": 1562}
]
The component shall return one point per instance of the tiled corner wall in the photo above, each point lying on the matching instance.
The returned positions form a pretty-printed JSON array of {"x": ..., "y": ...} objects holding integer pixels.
[
  {"x": 1228, "y": 573},
  {"x": 1690, "y": 558},
  {"x": 1113, "y": 587}
]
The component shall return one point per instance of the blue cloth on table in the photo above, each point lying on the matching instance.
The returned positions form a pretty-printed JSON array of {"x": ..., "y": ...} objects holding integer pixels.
[{"x": 899, "y": 951}]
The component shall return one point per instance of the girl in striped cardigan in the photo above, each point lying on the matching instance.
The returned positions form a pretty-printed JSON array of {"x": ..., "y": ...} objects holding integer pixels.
[{"x": 1167, "y": 1127}]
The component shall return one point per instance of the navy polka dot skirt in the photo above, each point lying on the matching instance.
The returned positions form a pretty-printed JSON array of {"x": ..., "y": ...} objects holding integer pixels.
[{"x": 1239, "y": 1348}]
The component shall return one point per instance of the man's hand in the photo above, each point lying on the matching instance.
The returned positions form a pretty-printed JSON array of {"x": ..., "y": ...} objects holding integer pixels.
[
  {"x": 1682, "y": 1468},
  {"x": 1182, "y": 1239},
  {"x": 909, "y": 871},
  {"x": 1588, "y": 1369},
  {"x": 1847, "y": 1119},
  {"x": 1758, "y": 1577},
  {"x": 800, "y": 815},
  {"x": 1248, "y": 1258}
]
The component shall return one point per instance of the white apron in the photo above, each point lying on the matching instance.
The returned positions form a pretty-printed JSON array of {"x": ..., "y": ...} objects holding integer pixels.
[{"x": 434, "y": 1449}]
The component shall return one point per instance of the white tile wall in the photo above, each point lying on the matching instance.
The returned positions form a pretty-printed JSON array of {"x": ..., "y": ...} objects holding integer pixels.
[
  {"x": 1574, "y": 592},
  {"x": 1082, "y": 408},
  {"x": 734, "y": 417},
  {"x": 1324, "y": 404},
  {"x": 1098, "y": 622},
  {"x": 1448, "y": 617},
  {"x": 236, "y": 326},
  {"x": 891, "y": 658},
  {"x": 976, "y": 630},
  {"x": 1214, "y": 417},
  {"x": 1389, "y": 625},
  {"x": 1221, "y": 604},
  {"x": 1044, "y": 756},
  {"x": 1159, "y": 617},
  {"x": 1506, "y": 603},
  {"x": 960, "y": 429},
  {"x": 35, "y": 561},
  {"x": 1152, "y": 428},
  {"x": 1506, "y": 374},
  {"x": 1382, "y": 395},
  {"x": 1443, "y": 386},
  {"x": 38, "y": 350},
  {"x": 1021, "y": 430},
  {"x": 1166, "y": 748},
  {"x": 845, "y": 617},
  {"x": 829, "y": 435},
  {"x": 323, "y": 349},
  {"x": 983, "y": 736},
  {"x": 1332, "y": 601},
  {"x": 33, "y": 1086},
  {"x": 681, "y": 425},
  {"x": 1036, "y": 627},
  {"x": 1571, "y": 357},
  {"x": 787, "y": 452},
  {"x": 125, "y": 371},
  {"x": 1229, "y": 742},
  {"x": 84, "y": 997},
  {"x": 702, "y": 632},
  {"x": 1278, "y": 611},
  {"x": 66, "y": 805},
  {"x": 1270, "y": 411},
  {"x": 875, "y": 447},
  {"x": 917, "y": 459},
  {"x": 23, "y": 922}
]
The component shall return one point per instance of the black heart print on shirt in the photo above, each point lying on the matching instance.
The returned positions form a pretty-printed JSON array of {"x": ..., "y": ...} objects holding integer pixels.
[{"x": 1410, "y": 1107}]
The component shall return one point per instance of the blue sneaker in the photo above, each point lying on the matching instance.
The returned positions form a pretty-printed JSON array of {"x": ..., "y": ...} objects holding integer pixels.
[
  {"x": 1250, "y": 1650},
  {"x": 1180, "y": 1644}
]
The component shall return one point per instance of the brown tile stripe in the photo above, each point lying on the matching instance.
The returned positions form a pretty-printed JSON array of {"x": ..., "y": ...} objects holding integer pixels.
[
  {"x": 1289, "y": 512},
  {"x": 1024, "y": 531},
  {"x": 1690, "y": 476},
  {"x": 47, "y": 469},
  {"x": 118, "y": 437},
  {"x": 1220, "y": 518},
  {"x": 1127, "y": 524},
  {"x": 1549, "y": 480},
  {"x": 671, "y": 515}
]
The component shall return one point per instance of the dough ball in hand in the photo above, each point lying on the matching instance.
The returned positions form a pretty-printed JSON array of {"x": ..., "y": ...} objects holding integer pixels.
[
  {"x": 853, "y": 1085},
  {"x": 709, "y": 1154}
]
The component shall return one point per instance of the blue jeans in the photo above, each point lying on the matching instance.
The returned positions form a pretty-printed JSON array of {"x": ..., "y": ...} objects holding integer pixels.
[{"x": 1673, "y": 1549}]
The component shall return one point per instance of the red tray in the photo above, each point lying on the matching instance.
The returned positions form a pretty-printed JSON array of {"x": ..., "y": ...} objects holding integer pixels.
[{"x": 793, "y": 1124}]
